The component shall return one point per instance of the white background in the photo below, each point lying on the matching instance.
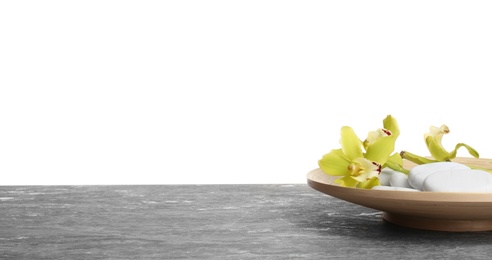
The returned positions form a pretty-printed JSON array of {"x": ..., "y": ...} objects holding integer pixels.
[{"x": 200, "y": 92}]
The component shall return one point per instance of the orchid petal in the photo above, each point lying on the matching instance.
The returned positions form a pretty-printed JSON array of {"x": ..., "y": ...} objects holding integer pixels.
[
  {"x": 381, "y": 149},
  {"x": 391, "y": 124},
  {"x": 395, "y": 162},
  {"x": 334, "y": 163},
  {"x": 472, "y": 151},
  {"x": 359, "y": 178},
  {"x": 346, "y": 181},
  {"x": 436, "y": 149},
  {"x": 363, "y": 169},
  {"x": 351, "y": 144},
  {"x": 374, "y": 181},
  {"x": 373, "y": 136},
  {"x": 395, "y": 159}
]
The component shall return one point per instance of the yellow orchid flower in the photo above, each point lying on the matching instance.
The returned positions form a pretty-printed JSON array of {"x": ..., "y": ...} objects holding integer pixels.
[
  {"x": 380, "y": 143},
  {"x": 359, "y": 163},
  {"x": 390, "y": 128},
  {"x": 433, "y": 140}
]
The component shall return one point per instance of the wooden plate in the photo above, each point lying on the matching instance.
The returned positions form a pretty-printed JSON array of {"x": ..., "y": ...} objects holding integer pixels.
[{"x": 442, "y": 211}]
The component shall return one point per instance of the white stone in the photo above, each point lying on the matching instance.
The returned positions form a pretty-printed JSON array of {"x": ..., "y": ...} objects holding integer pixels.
[
  {"x": 385, "y": 175},
  {"x": 459, "y": 180},
  {"x": 392, "y": 188},
  {"x": 399, "y": 179},
  {"x": 419, "y": 173}
]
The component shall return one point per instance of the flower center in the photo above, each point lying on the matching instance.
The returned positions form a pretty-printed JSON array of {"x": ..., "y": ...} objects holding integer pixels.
[
  {"x": 364, "y": 168},
  {"x": 378, "y": 167}
]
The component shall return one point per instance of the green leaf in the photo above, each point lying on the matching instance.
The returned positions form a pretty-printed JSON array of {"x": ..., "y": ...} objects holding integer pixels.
[{"x": 351, "y": 144}]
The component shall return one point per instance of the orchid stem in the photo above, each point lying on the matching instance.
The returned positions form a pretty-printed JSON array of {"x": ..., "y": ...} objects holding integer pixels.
[
  {"x": 415, "y": 158},
  {"x": 397, "y": 168}
]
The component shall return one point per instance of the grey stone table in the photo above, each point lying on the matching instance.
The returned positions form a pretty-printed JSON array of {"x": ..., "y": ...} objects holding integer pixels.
[{"x": 210, "y": 222}]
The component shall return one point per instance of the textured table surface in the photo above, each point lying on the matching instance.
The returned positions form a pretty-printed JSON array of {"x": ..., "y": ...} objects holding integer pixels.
[{"x": 210, "y": 222}]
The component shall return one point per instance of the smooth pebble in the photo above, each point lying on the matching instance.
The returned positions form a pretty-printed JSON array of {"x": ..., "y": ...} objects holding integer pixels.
[
  {"x": 385, "y": 175},
  {"x": 399, "y": 179},
  {"x": 419, "y": 173},
  {"x": 459, "y": 180},
  {"x": 393, "y": 188}
]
